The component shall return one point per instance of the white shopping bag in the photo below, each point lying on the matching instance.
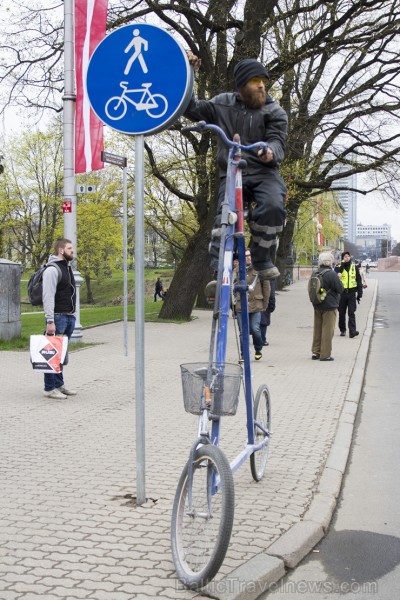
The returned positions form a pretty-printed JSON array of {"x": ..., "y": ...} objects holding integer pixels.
[{"x": 48, "y": 352}]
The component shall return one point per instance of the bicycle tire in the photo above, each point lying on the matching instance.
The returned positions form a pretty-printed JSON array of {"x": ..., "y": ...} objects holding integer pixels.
[
  {"x": 161, "y": 106},
  {"x": 115, "y": 103},
  {"x": 199, "y": 543},
  {"x": 262, "y": 415}
]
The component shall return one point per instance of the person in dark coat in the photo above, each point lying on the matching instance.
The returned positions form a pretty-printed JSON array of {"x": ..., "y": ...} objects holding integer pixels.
[
  {"x": 266, "y": 314},
  {"x": 251, "y": 113},
  {"x": 325, "y": 313},
  {"x": 158, "y": 289},
  {"x": 352, "y": 293}
]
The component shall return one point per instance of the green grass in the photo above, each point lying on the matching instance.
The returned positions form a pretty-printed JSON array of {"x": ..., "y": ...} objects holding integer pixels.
[
  {"x": 104, "y": 311},
  {"x": 107, "y": 290},
  {"x": 33, "y": 322}
]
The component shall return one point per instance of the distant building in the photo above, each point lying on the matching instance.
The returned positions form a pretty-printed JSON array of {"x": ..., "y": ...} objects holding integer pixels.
[
  {"x": 347, "y": 197},
  {"x": 374, "y": 241}
]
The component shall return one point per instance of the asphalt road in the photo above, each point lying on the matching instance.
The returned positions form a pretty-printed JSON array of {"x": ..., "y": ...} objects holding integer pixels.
[{"x": 360, "y": 556}]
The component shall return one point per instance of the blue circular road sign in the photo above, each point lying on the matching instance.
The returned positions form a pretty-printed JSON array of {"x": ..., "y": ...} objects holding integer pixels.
[{"x": 139, "y": 80}]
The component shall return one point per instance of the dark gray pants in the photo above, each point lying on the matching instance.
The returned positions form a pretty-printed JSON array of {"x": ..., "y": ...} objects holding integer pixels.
[
  {"x": 348, "y": 303},
  {"x": 264, "y": 195}
]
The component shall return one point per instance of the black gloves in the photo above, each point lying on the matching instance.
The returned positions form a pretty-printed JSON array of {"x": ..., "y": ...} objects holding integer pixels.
[{"x": 358, "y": 299}]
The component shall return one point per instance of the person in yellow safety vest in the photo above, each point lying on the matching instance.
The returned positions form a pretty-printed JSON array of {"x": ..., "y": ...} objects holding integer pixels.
[{"x": 352, "y": 293}]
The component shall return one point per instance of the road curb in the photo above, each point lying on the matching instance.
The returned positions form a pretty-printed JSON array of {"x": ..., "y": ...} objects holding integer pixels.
[
  {"x": 261, "y": 574},
  {"x": 248, "y": 581}
]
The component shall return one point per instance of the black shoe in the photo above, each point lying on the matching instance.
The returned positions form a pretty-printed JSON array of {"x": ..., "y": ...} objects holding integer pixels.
[
  {"x": 270, "y": 273},
  {"x": 354, "y": 334},
  {"x": 326, "y": 359},
  {"x": 342, "y": 333},
  {"x": 266, "y": 344},
  {"x": 315, "y": 357}
]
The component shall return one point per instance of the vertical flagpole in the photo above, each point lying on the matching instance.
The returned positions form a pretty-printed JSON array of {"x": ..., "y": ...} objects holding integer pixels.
[
  {"x": 69, "y": 166},
  {"x": 125, "y": 250}
]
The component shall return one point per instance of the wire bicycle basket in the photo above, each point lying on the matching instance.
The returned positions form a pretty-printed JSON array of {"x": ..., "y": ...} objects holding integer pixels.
[{"x": 224, "y": 388}]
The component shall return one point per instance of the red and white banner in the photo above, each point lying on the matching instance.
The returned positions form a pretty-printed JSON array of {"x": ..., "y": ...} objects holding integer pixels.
[{"x": 90, "y": 29}]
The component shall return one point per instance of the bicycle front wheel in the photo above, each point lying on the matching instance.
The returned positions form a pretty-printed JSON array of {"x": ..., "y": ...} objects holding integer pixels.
[
  {"x": 200, "y": 532},
  {"x": 262, "y": 416}
]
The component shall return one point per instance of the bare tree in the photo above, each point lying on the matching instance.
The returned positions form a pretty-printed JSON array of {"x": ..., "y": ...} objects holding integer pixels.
[
  {"x": 30, "y": 192},
  {"x": 341, "y": 91},
  {"x": 334, "y": 68}
]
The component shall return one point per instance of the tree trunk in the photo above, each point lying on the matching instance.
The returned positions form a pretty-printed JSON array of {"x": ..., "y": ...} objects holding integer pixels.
[
  {"x": 284, "y": 253},
  {"x": 188, "y": 278},
  {"x": 201, "y": 301},
  {"x": 89, "y": 293}
]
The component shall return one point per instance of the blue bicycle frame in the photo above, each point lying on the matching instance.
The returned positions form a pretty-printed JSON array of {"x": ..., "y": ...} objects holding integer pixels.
[
  {"x": 203, "y": 511},
  {"x": 232, "y": 228}
]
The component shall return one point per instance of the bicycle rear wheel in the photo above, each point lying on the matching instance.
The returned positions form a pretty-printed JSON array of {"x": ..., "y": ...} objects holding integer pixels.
[
  {"x": 200, "y": 534},
  {"x": 262, "y": 415}
]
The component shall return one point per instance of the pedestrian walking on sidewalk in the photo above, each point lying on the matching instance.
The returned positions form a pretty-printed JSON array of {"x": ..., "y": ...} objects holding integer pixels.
[
  {"x": 266, "y": 314},
  {"x": 351, "y": 295},
  {"x": 258, "y": 295},
  {"x": 158, "y": 289},
  {"x": 59, "y": 304},
  {"x": 325, "y": 312},
  {"x": 362, "y": 273}
]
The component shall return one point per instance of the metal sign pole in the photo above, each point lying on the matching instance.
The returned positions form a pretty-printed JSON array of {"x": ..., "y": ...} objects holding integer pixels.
[
  {"x": 139, "y": 319},
  {"x": 125, "y": 242},
  {"x": 160, "y": 107}
]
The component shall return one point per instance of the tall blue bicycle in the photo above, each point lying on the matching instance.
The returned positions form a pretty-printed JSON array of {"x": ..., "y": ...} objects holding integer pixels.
[{"x": 203, "y": 511}]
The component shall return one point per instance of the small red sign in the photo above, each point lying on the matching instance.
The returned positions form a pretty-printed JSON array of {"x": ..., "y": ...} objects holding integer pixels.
[{"x": 67, "y": 206}]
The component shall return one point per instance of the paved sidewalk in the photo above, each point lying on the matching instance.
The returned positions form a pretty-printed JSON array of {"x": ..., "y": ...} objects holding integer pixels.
[{"x": 69, "y": 526}]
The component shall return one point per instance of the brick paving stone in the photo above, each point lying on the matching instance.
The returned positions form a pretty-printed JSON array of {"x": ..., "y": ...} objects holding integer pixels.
[
  {"x": 88, "y": 584},
  {"x": 100, "y": 595},
  {"x": 20, "y": 577},
  {"x": 67, "y": 566},
  {"x": 69, "y": 594},
  {"x": 65, "y": 509},
  {"x": 36, "y": 597},
  {"x": 34, "y": 588}
]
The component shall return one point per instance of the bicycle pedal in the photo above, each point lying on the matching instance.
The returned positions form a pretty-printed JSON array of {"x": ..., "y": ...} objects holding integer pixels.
[{"x": 232, "y": 218}]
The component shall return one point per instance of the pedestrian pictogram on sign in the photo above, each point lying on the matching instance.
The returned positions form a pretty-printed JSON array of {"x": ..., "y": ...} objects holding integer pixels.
[{"x": 139, "y": 79}]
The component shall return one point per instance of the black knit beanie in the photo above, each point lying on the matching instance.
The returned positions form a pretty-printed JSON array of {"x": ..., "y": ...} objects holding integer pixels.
[{"x": 246, "y": 69}]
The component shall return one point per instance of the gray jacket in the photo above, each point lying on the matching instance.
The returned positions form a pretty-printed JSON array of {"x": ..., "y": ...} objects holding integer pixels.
[
  {"x": 51, "y": 278},
  {"x": 266, "y": 124}
]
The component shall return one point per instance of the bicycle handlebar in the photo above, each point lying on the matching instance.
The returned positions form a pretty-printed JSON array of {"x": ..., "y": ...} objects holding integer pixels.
[{"x": 203, "y": 126}]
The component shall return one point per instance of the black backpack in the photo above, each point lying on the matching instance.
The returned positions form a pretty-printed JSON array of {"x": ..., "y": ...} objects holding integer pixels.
[
  {"x": 316, "y": 291},
  {"x": 35, "y": 284}
]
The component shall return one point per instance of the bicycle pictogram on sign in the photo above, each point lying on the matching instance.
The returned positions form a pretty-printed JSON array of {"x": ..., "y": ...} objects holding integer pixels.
[{"x": 155, "y": 105}]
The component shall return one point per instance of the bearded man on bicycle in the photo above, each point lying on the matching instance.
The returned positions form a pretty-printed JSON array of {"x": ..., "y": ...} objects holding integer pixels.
[{"x": 253, "y": 114}]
